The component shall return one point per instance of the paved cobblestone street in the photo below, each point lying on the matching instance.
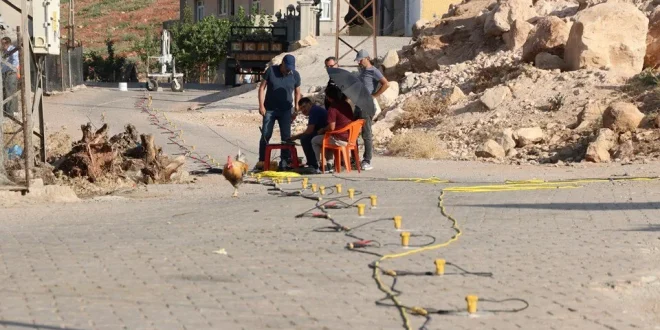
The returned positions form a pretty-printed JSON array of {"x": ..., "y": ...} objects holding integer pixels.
[
  {"x": 154, "y": 258},
  {"x": 583, "y": 258}
]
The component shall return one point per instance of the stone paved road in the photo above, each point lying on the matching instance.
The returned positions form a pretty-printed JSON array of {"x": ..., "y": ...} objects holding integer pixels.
[{"x": 583, "y": 258}]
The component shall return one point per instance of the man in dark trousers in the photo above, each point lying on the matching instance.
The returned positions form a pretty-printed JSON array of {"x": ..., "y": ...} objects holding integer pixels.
[
  {"x": 280, "y": 83},
  {"x": 318, "y": 119}
]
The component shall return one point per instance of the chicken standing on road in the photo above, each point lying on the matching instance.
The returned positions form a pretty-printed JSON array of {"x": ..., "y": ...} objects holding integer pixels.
[{"x": 234, "y": 171}]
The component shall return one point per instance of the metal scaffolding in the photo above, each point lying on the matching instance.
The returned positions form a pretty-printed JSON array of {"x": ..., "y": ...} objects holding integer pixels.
[
  {"x": 29, "y": 97},
  {"x": 359, "y": 15}
]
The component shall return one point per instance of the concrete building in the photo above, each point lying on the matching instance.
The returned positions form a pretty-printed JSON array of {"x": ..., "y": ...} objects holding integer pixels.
[{"x": 226, "y": 8}]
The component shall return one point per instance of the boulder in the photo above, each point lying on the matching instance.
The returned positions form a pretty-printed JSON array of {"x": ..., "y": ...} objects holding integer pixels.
[
  {"x": 559, "y": 8},
  {"x": 390, "y": 61},
  {"x": 455, "y": 95},
  {"x": 308, "y": 41},
  {"x": 381, "y": 132},
  {"x": 625, "y": 150},
  {"x": 426, "y": 53},
  {"x": 491, "y": 149},
  {"x": 652, "y": 58},
  {"x": 594, "y": 42},
  {"x": 546, "y": 61},
  {"x": 622, "y": 117},
  {"x": 408, "y": 83},
  {"x": 493, "y": 97},
  {"x": 599, "y": 150},
  {"x": 528, "y": 135},
  {"x": 549, "y": 36},
  {"x": 388, "y": 97},
  {"x": 515, "y": 38},
  {"x": 591, "y": 113},
  {"x": 506, "y": 140},
  {"x": 418, "y": 27},
  {"x": 506, "y": 12}
]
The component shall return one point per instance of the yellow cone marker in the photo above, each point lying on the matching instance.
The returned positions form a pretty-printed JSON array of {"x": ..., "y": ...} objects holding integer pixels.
[
  {"x": 360, "y": 209},
  {"x": 351, "y": 193},
  {"x": 472, "y": 303},
  {"x": 304, "y": 183},
  {"x": 288, "y": 180},
  {"x": 338, "y": 186},
  {"x": 439, "y": 266},
  {"x": 313, "y": 187},
  {"x": 405, "y": 238},
  {"x": 322, "y": 190},
  {"x": 374, "y": 200},
  {"x": 397, "y": 222}
]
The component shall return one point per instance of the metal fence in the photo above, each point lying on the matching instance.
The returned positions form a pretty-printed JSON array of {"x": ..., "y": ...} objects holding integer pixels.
[{"x": 65, "y": 71}]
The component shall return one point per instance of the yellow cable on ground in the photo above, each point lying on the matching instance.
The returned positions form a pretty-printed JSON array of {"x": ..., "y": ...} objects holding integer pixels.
[
  {"x": 420, "y": 180},
  {"x": 275, "y": 174},
  {"x": 533, "y": 185}
]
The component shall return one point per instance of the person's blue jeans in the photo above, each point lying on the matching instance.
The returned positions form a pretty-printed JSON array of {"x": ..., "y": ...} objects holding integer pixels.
[
  {"x": 283, "y": 119},
  {"x": 306, "y": 142}
]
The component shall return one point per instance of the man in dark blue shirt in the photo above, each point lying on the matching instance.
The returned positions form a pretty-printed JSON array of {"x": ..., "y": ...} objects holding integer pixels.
[
  {"x": 280, "y": 82},
  {"x": 318, "y": 119}
]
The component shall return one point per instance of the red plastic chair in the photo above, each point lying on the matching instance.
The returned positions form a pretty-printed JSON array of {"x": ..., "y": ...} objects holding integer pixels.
[{"x": 342, "y": 152}]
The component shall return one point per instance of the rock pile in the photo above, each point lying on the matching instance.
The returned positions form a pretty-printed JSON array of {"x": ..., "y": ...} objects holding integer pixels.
[{"x": 533, "y": 81}]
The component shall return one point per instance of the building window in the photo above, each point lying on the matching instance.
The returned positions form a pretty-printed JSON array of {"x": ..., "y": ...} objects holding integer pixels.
[
  {"x": 326, "y": 10},
  {"x": 256, "y": 6},
  {"x": 200, "y": 10},
  {"x": 223, "y": 7}
]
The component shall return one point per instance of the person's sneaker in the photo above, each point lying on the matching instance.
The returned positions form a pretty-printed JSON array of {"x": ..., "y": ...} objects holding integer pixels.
[
  {"x": 318, "y": 171},
  {"x": 366, "y": 166}
]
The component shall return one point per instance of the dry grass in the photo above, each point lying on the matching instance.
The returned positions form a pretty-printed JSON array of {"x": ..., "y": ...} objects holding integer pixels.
[
  {"x": 417, "y": 144},
  {"x": 643, "y": 89},
  {"x": 422, "y": 111}
]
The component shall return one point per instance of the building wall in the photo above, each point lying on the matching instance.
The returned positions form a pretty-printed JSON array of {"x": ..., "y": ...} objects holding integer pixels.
[
  {"x": 327, "y": 27},
  {"x": 432, "y": 9}
]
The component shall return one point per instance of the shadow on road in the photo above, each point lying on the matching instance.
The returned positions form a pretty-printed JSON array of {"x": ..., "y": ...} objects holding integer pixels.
[{"x": 33, "y": 326}]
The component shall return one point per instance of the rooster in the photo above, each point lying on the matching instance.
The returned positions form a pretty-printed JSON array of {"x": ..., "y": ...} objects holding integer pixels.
[{"x": 234, "y": 171}]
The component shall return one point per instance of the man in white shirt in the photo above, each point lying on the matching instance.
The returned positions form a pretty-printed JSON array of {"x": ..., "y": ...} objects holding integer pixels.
[{"x": 9, "y": 74}]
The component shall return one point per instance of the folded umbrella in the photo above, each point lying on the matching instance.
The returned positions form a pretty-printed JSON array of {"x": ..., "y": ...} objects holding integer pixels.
[{"x": 354, "y": 89}]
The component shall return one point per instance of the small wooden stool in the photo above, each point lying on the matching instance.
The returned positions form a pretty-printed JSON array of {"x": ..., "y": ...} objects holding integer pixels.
[{"x": 281, "y": 146}]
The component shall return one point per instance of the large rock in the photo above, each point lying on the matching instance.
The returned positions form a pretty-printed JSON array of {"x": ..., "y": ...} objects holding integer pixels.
[
  {"x": 426, "y": 53},
  {"x": 506, "y": 12},
  {"x": 418, "y": 27},
  {"x": 528, "y": 135},
  {"x": 548, "y": 36},
  {"x": 495, "y": 96},
  {"x": 652, "y": 58},
  {"x": 559, "y": 8},
  {"x": 455, "y": 95},
  {"x": 515, "y": 38},
  {"x": 591, "y": 113},
  {"x": 622, "y": 117},
  {"x": 391, "y": 60},
  {"x": 599, "y": 150},
  {"x": 308, "y": 41},
  {"x": 388, "y": 97},
  {"x": 506, "y": 140},
  {"x": 608, "y": 35},
  {"x": 491, "y": 149},
  {"x": 381, "y": 132},
  {"x": 548, "y": 61}
]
